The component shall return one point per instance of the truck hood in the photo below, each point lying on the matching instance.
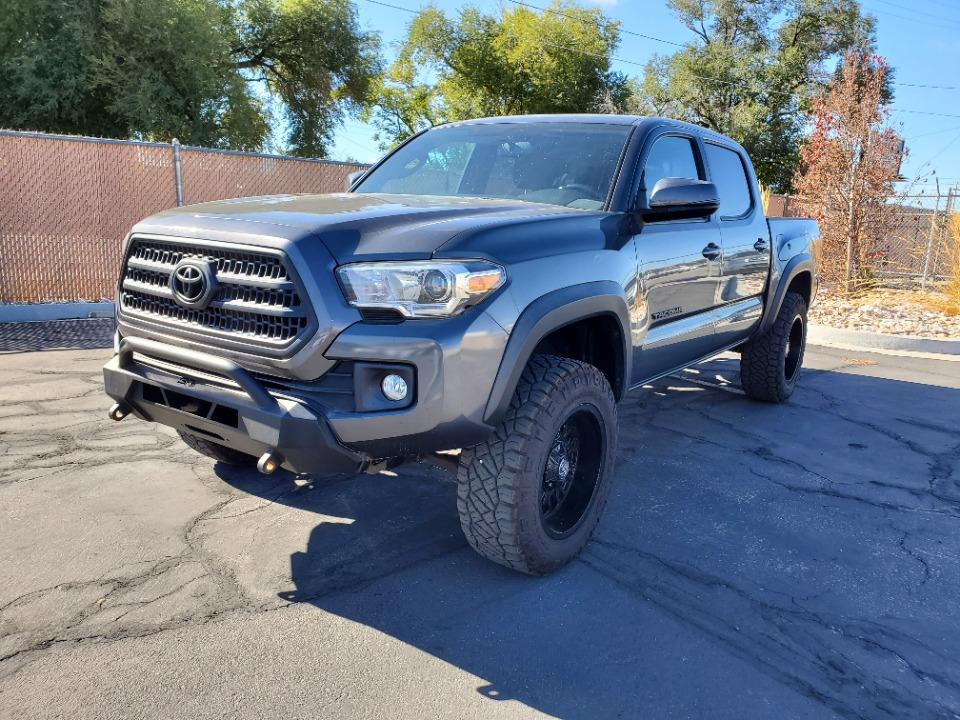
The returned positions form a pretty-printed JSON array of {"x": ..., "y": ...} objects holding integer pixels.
[{"x": 354, "y": 226}]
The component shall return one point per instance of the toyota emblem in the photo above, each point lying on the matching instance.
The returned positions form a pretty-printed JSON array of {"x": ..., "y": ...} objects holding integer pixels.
[{"x": 193, "y": 284}]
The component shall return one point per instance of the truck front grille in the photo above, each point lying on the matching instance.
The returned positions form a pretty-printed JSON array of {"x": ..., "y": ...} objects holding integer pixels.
[{"x": 256, "y": 300}]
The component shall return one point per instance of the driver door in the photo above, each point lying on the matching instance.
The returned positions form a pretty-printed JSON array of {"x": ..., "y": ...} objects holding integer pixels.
[{"x": 679, "y": 270}]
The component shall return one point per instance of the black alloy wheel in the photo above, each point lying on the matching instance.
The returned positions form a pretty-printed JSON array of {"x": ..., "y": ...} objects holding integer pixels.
[{"x": 571, "y": 471}]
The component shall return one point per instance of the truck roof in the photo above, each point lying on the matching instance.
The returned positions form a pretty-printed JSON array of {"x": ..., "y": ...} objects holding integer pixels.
[
  {"x": 565, "y": 117},
  {"x": 647, "y": 121}
]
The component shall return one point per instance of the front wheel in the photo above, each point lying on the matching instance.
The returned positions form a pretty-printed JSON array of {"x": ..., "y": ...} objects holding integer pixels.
[
  {"x": 770, "y": 363},
  {"x": 530, "y": 496}
]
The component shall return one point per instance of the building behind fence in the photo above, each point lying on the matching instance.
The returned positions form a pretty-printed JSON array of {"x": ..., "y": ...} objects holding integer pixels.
[{"x": 67, "y": 202}]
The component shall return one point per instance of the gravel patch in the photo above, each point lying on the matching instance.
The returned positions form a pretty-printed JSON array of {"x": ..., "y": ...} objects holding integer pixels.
[{"x": 893, "y": 313}]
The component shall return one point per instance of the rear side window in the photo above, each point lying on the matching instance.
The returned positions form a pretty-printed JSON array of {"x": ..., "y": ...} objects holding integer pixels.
[
  {"x": 670, "y": 157},
  {"x": 730, "y": 177}
]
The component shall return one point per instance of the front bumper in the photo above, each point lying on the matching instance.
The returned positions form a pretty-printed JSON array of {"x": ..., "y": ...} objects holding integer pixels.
[
  {"x": 213, "y": 398},
  {"x": 452, "y": 365}
]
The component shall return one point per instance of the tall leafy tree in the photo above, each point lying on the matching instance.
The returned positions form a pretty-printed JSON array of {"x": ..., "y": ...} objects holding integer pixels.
[
  {"x": 518, "y": 61},
  {"x": 751, "y": 70},
  {"x": 201, "y": 70}
]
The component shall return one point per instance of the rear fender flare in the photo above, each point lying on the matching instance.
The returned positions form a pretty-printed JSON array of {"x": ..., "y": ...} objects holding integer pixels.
[
  {"x": 800, "y": 263},
  {"x": 543, "y": 316}
]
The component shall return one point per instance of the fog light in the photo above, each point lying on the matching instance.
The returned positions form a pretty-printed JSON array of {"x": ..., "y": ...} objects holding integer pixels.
[{"x": 394, "y": 387}]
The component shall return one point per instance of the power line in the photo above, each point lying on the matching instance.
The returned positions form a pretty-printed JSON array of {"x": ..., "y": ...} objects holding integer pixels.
[
  {"x": 627, "y": 31},
  {"x": 393, "y": 7},
  {"x": 940, "y": 18},
  {"x": 948, "y": 5},
  {"x": 928, "y": 87},
  {"x": 924, "y": 112},
  {"x": 639, "y": 64},
  {"x": 935, "y": 132},
  {"x": 570, "y": 16}
]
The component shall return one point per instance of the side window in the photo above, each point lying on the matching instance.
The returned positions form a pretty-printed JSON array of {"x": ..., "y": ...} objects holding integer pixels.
[
  {"x": 730, "y": 177},
  {"x": 670, "y": 157}
]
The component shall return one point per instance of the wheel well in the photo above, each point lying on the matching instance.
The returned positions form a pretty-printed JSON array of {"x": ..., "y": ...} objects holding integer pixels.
[
  {"x": 802, "y": 283},
  {"x": 597, "y": 340}
]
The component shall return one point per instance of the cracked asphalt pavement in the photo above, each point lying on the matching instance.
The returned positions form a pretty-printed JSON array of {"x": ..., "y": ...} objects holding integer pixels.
[{"x": 755, "y": 561}]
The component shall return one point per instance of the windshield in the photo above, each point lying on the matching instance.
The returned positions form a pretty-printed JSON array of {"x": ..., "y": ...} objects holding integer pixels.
[{"x": 570, "y": 164}]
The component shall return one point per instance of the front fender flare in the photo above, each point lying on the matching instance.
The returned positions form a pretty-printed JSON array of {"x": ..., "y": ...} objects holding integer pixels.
[{"x": 543, "y": 316}]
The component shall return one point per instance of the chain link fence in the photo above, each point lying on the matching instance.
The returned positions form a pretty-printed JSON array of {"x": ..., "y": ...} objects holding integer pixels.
[
  {"x": 913, "y": 249},
  {"x": 66, "y": 202}
]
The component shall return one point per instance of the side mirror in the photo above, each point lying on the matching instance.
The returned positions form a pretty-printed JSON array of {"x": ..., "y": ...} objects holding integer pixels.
[
  {"x": 353, "y": 178},
  {"x": 681, "y": 198}
]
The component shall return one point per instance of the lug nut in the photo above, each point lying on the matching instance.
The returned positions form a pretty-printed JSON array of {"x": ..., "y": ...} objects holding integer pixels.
[{"x": 394, "y": 387}]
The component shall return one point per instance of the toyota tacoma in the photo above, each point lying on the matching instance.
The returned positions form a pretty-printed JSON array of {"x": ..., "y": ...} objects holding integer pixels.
[{"x": 493, "y": 286}]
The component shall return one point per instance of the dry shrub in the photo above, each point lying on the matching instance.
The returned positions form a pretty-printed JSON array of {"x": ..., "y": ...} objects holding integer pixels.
[
  {"x": 765, "y": 198},
  {"x": 950, "y": 302}
]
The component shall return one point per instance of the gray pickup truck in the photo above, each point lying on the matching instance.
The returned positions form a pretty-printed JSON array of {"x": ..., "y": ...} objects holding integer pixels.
[{"x": 494, "y": 286}]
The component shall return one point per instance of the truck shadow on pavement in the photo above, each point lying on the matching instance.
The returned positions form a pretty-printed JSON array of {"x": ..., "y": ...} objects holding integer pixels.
[{"x": 754, "y": 561}]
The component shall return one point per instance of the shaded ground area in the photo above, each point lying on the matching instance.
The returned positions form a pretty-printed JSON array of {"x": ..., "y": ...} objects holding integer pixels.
[
  {"x": 755, "y": 561},
  {"x": 57, "y": 335}
]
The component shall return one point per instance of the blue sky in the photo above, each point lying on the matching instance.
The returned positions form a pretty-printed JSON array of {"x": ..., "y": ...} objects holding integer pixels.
[{"x": 921, "y": 40}]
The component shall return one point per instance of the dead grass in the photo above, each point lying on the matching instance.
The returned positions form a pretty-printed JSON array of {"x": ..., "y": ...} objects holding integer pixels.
[
  {"x": 944, "y": 299},
  {"x": 949, "y": 303}
]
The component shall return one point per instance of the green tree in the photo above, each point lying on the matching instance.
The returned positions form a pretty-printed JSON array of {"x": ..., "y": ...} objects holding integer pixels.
[
  {"x": 518, "y": 61},
  {"x": 751, "y": 71},
  {"x": 204, "y": 71}
]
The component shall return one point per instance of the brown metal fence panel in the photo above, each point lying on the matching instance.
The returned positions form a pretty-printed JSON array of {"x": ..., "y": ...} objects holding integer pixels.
[
  {"x": 65, "y": 205},
  {"x": 217, "y": 175},
  {"x": 67, "y": 202}
]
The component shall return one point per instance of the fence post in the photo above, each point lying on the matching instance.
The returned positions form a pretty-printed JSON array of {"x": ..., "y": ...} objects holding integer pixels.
[
  {"x": 934, "y": 222},
  {"x": 177, "y": 172}
]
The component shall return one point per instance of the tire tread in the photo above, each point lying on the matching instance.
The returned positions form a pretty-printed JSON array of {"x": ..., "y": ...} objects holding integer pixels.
[
  {"x": 491, "y": 475},
  {"x": 761, "y": 361}
]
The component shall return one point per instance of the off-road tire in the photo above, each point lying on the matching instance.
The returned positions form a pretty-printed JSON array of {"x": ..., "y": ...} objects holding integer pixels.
[
  {"x": 220, "y": 453},
  {"x": 499, "y": 481},
  {"x": 763, "y": 362}
]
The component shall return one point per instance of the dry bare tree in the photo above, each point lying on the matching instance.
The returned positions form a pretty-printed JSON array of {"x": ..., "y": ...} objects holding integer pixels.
[{"x": 849, "y": 164}]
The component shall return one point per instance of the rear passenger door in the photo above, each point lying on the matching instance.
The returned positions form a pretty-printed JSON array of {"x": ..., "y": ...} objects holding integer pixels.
[
  {"x": 679, "y": 268},
  {"x": 745, "y": 263},
  {"x": 743, "y": 226}
]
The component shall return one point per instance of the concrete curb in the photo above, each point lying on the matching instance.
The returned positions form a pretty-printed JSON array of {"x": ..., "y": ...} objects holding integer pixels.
[
  {"x": 41, "y": 312},
  {"x": 828, "y": 336}
]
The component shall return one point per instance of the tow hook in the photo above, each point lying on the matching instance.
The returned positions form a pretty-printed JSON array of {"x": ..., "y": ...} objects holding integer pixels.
[
  {"x": 269, "y": 462},
  {"x": 118, "y": 412}
]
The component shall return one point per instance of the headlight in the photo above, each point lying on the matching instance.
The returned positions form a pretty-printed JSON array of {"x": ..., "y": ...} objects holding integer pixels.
[{"x": 415, "y": 289}]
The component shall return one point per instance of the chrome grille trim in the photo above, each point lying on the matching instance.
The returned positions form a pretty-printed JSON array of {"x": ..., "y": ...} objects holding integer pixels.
[{"x": 258, "y": 302}]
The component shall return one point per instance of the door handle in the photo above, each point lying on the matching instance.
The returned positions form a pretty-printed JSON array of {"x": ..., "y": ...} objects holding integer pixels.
[
  {"x": 760, "y": 245},
  {"x": 711, "y": 251}
]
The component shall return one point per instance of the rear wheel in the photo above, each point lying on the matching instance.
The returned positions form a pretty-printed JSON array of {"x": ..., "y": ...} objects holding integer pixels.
[
  {"x": 770, "y": 363},
  {"x": 530, "y": 496},
  {"x": 220, "y": 453}
]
